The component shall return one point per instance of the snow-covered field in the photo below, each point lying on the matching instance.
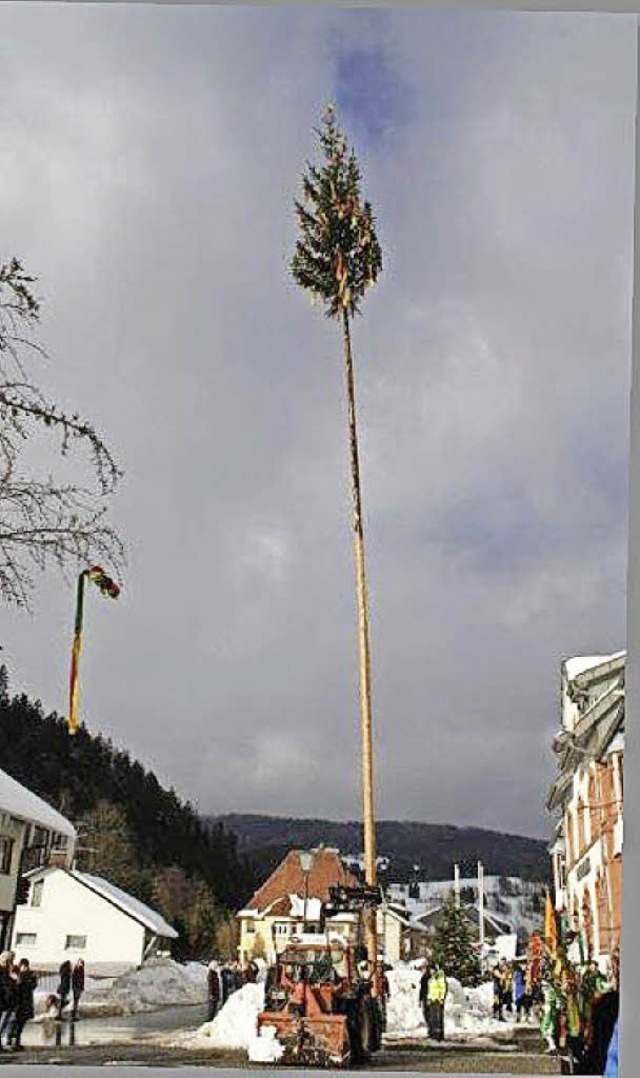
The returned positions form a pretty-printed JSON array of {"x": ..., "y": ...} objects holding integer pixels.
[
  {"x": 468, "y": 1019},
  {"x": 160, "y": 982}
]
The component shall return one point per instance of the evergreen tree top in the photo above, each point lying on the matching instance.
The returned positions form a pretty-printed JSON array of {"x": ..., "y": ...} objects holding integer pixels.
[{"x": 338, "y": 256}]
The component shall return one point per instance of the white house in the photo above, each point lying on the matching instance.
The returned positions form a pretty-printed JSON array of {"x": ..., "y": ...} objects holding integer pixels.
[
  {"x": 32, "y": 833},
  {"x": 73, "y": 915}
]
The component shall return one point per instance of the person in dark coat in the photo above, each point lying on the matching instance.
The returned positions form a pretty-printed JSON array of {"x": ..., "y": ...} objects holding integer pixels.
[
  {"x": 64, "y": 988},
  {"x": 77, "y": 986},
  {"x": 7, "y": 993},
  {"x": 498, "y": 996},
  {"x": 422, "y": 997},
  {"x": 25, "y": 1010},
  {"x": 227, "y": 977},
  {"x": 9, "y": 984},
  {"x": 214, "y": 991},
  {"x": 603, "y": 1020}
]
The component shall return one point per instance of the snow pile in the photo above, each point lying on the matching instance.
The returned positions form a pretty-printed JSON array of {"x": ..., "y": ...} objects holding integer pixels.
[
  {"x": 468, "y": 1012},
  {"x": 235, "y": 1025},
  {"x": 404, "y": 1013},
  {"x": 266, "y": 1047},
  {"x": 160, "y": 982}
]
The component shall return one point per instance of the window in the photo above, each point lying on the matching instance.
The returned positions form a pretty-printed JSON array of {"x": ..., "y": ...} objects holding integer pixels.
[
  {"x": 75, "y": 943},
  {"x": 36, "y": 893},
  {"x": 25, "y": 939},
  {"x": 6, "y": 853},
  {"x": 250, "y": 927}
]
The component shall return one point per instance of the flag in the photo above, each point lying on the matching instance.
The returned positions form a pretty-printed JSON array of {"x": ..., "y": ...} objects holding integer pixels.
[
  {"x": 107, "y": 586},
  {"x": 550, "y": 926}
]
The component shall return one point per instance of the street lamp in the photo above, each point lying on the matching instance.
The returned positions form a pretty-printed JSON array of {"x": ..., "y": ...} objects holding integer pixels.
[
  {"x": 107, "y": 587},
  {"x": 306, "y": 861}
]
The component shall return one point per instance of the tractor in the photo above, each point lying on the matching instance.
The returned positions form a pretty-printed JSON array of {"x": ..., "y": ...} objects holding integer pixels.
[{"x": 319, "y": 1003}]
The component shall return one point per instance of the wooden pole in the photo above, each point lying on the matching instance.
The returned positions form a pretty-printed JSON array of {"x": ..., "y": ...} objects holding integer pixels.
[
  {"x": 368, "y": 814},
  {"x": 74, "y": 687}
]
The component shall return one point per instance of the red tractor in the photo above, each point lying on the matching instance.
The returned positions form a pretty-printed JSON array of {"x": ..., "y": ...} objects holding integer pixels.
[
  {"x": 325, "y": 1012},
  {"x": 320, "y": 1006}
]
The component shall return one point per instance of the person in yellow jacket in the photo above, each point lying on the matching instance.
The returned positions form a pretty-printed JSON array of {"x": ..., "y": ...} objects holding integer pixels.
[{"x": 436, "y": 994}]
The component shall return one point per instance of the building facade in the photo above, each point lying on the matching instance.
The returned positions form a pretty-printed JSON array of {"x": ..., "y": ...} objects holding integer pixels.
[
  {"x": 71, "y": 915},
  {"x": 32, "y": 833},
  {"x": 587, "y": 796},
  {"x": 289, "y": 902}
]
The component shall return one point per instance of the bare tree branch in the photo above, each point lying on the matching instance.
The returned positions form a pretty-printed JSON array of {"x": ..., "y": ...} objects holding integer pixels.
[{"x": 44, "y": 522}]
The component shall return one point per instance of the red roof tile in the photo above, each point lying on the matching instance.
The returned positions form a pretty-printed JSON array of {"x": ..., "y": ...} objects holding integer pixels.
[{"x": 327, "y": 870}]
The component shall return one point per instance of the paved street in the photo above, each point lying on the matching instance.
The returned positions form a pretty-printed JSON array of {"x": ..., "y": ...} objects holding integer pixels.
[{"x": 524, "y": 1057}]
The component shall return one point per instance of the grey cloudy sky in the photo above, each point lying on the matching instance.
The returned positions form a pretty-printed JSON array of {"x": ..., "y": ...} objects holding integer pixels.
[{"x": 148, "y": 161}]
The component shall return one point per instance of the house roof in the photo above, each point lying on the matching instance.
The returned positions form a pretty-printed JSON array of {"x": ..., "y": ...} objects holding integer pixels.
[
  {"x": 135, "y": 909},
  {"x": 18, "y": 801},
  {"x": 579, "y": 664},
  {"x": 127, "y": 903},
  {"x": 327, "y": 870}
]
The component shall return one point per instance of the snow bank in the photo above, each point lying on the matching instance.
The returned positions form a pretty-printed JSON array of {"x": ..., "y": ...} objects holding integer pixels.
[
  {"x": 404, "y": 1013},
  {"x": 468, "y": 1019},
  {"x": 467, "y": 1011},
  {"x": 160, "y": 982},
  {"x": 235, "y": 1025}
]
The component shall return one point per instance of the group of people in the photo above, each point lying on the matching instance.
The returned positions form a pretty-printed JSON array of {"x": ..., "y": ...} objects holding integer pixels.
[
  {"x": 579, "y": 1012},
  {"x": 432, "y": 996},
  {"x": 17, "y": 987},
  {"x": 18, "y": 983},
  {"x": 513, "y": 990},
  {"x": 223, "y": 980}
]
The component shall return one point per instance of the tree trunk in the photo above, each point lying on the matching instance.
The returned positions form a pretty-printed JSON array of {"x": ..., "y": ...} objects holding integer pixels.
[{"x": 363, "y": 649}]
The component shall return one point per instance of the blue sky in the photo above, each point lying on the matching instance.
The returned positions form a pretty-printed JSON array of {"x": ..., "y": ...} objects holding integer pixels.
[{"x": 149, "y": 160}]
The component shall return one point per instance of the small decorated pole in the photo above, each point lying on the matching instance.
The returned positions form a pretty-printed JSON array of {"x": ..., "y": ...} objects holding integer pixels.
[{"x": 108, "y": 587}]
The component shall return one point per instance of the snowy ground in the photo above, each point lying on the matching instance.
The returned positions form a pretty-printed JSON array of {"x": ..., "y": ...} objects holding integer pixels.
[
  {"x": 160, "y": 982},
  {"x": 468, "y": 1019}
]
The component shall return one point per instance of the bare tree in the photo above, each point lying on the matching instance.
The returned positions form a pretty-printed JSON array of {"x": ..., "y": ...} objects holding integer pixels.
[{"x": 43, "y": 520}]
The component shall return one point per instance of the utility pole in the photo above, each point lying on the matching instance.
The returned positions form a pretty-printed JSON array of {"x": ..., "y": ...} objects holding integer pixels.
[{"x": 456, "y": 885}]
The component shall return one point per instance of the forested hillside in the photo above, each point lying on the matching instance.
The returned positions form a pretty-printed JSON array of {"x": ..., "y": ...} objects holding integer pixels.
[
  {"x": 139, "y": 835},
  {"x": 432, "y": 847}
]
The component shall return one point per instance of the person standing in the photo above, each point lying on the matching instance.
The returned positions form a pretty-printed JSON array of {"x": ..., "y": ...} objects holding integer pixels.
[
  {"x": 214, "y": 991},
  {"x": 6, "y": 990},
  {"x": 423, "y": 995},
  {"x": 436, "y": 995},
  {"x": 25, "y": 1010},
  {"x": 9, "y": 977},
  {"x": 228, "y": 983},
  {"x": 611, "y": 1064},
  {"x": 520, "y": 996},
  {"x": 64, "y": 988},
  {"x": 498, "y": 998},
  {"x": 77, "y": 986}
]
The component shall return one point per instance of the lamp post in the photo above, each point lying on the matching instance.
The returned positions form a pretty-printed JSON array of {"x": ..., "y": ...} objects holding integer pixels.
[
  {"x": 107, "y": 587},
  {"x": 306, "y": 861}
]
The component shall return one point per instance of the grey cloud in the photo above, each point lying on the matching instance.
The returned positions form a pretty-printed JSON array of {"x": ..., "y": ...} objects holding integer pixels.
[{"x": 150, "y": 157}]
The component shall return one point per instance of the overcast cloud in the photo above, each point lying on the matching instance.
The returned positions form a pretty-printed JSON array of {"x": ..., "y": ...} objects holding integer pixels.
[{"x": 148, "y": 161}]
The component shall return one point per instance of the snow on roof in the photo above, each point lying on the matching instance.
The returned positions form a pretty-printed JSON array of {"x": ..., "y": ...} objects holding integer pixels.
[
  {"x": 578, "y": 664},
  {"x": 18, "y": 801},
  {"x": 127, "y": 903}
]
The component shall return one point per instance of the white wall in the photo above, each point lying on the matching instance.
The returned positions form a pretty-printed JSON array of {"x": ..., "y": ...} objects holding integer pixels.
[{"x": 70, "y": 908}]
